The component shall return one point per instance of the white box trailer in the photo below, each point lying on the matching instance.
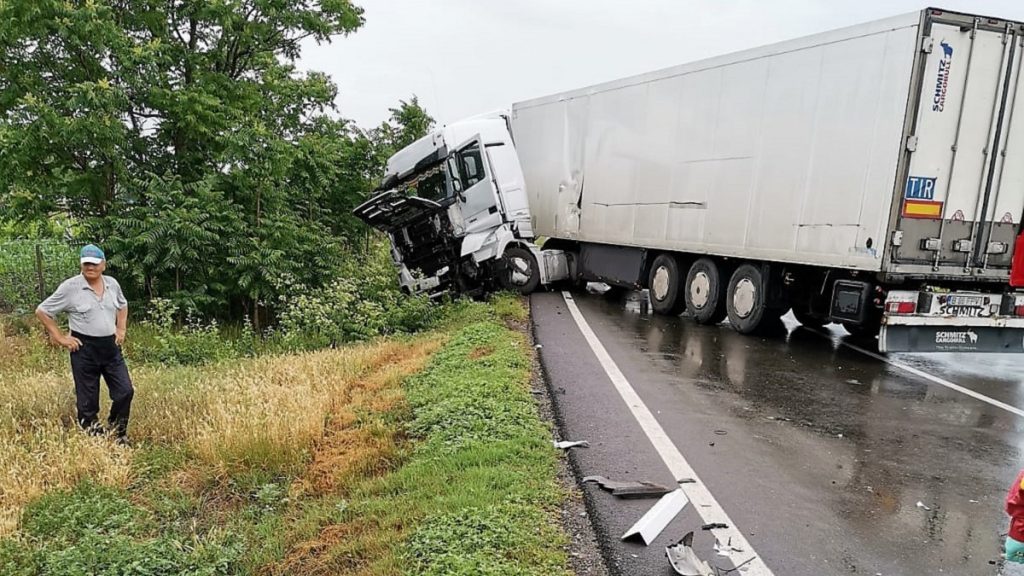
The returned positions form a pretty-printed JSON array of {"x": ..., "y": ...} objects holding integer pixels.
[
  {"x": 872, "y": 176},
  {"x": 889, "y": 153}
]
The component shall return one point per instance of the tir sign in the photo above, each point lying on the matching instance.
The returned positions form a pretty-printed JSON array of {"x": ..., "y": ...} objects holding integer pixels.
[
  {"x": 919, "y": 198},
  {"x": 919, "y": 188}
]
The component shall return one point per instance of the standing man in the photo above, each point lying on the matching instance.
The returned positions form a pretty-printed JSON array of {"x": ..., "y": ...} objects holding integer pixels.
[{"x": 98, "y": 319}]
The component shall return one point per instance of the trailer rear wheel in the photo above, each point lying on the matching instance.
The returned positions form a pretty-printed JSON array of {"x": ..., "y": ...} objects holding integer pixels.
[
  {"x": 521, "y": 273},
  {"x": 746, "y": 303},
  {"x": 705, "y": 292},
  {"x": 664, "y": 282}
]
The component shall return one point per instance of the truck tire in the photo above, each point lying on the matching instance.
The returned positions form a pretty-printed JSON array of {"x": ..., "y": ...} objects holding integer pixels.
[
  {"x": 664, "y": 281},
  {"x": 745, "y": 301},
  {"x": 521, "y": 273},
  {"x": 809, "y": 320},
  {"x": 705, "y": 292}
]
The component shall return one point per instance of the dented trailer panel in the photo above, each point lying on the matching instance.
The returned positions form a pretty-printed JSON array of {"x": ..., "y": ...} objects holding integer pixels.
[{"x": 822, "y": 151}]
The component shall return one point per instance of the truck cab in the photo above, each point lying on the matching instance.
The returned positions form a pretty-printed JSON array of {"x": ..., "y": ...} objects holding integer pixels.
[{"x": 454, "y": 206}]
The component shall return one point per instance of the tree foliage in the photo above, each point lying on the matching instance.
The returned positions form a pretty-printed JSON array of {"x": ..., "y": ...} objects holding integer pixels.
[{"x": 181, "y": 134}]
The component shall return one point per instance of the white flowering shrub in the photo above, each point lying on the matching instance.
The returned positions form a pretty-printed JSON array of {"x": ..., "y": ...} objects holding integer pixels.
[{"x": 362, "y": 302}]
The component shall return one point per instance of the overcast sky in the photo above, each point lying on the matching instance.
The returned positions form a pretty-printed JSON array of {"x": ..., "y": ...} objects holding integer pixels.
[{"x": 464, "y": 57}]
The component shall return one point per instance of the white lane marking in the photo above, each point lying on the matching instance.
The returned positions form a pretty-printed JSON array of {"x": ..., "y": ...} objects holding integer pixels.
[
  {"x": 932, "y": 378},
  {"x": 703, "y": 501}
]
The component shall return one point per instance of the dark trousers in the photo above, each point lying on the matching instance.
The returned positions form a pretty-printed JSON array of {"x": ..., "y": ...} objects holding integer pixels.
[{"x": 101, "y": 357}]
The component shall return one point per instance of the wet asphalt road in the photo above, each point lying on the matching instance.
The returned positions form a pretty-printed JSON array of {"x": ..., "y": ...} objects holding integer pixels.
[{"x": 818, "y": 452}]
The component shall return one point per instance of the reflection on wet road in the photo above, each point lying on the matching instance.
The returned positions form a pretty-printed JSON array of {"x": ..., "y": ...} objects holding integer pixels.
[{"x": 829, "y": 450}]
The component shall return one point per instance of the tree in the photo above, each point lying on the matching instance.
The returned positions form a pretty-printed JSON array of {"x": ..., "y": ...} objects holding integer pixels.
[
  {"x": 180, "y": 133},
  {"x": 407, "y": 123}
]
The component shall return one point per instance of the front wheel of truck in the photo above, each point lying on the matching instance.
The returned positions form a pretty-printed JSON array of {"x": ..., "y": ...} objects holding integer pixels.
[{"x": 520, "y": 273}]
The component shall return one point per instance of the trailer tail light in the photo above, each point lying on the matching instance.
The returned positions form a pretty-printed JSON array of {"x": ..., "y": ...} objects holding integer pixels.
[
  {"x": 1018, "y": 305},
  {"x": 901, "y": 307},
  {"x": 901, "y": 302}
]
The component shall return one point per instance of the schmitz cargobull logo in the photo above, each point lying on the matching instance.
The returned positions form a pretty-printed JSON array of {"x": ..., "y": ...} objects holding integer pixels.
[
  {"x": 942, "y": 79},
  {"x": 956, "y": 337}
]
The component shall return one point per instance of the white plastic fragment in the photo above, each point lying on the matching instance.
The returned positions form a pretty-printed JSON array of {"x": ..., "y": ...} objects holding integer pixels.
[
  {"x": 726, "y": 549},
  {"x": 685, "y": 561},
  {"x": 566, "y": 444},
  {"x": 922, "y": 506},
  {"x": 654, "y": 521}
]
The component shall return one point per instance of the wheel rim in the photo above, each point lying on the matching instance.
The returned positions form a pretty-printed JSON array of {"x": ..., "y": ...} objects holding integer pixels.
[
  {"x": 700, "y": 289},
  {"x": 744, "y": 297},
  {"x": 659, "y": 287},
  {"x": 520, "y": 271}
]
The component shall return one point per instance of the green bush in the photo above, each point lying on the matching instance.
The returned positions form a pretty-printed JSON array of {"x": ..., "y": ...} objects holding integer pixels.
[
  {"x": 19, "y": 279},
  {"x": 164, "y": 342},
  {"x": 362, "y": 302}
]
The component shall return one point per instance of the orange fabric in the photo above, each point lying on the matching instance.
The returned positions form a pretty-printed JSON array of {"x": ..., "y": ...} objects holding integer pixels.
[{"x": 1015, "y": 508}]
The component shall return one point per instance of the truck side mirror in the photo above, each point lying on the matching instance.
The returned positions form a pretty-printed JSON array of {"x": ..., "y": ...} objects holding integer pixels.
[{"x": 453, "y": 173}]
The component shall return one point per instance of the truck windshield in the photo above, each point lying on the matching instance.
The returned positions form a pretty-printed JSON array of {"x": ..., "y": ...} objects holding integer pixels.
[{"x": 429, "y": 184}]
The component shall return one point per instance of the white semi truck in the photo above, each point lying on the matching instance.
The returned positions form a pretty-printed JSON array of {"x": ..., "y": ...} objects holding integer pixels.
[{"x": 871, "y": 176}]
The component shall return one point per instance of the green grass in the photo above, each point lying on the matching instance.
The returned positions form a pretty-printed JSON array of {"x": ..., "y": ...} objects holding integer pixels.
[
  {"x": 478, "y": 494},
  {"x": 457, "y": 478}
]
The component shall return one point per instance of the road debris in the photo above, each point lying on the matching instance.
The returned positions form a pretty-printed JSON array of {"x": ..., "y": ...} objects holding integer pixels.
[
  {"x": 686, "y": 481},
  {"x": 640, "y": 489},
  {"x": 922, "y": 505},
  {"x": 566, "y": 444},
  {"x": 684, "y": 560},
  {"x": 726, "y": 549},
  {"x": 714, "y": 526},
  {"x": 721, "y": 432},
  {"x": 654, "y": 521}
]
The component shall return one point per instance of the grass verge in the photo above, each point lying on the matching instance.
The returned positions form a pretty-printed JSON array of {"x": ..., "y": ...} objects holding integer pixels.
[{"x": 418, "y": 455}]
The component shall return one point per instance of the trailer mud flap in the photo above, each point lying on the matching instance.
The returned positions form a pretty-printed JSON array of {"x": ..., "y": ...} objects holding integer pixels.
[{"x": 950, "y": 339}]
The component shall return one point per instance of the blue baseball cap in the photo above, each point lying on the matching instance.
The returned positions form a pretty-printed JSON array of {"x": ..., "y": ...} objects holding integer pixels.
[{"x": 91, "y": 254}]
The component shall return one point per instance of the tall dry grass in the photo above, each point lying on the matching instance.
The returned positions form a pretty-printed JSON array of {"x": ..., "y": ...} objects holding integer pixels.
[{"x": 266, "y": 413}]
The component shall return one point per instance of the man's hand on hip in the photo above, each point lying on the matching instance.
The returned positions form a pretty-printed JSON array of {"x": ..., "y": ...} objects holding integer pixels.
[{"x": 70, "y": 342}]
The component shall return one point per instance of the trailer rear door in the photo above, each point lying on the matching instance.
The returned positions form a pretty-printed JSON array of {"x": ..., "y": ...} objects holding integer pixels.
[{"x": 962, "y": 199}]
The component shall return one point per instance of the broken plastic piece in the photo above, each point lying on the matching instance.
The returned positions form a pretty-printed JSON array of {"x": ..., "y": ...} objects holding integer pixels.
[
  {"x": 629, "y": 489},
  {"x": 922, "y": 505},
  {"x": 726, "y": 549},
  {"x": 654, "y": 521},
  {"x": 566, "y": 444},
  {"x": 685, "y": 561}
]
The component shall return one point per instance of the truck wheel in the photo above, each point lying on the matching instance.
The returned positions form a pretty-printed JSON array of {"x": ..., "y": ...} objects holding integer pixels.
[
  {"x": 663, "y": 281},
  {"x": 809, "y": 320},
  {"x": 705, "y": 292},
  {"x": 746, "y": 299},
  {"x": 521, "y": 273}
]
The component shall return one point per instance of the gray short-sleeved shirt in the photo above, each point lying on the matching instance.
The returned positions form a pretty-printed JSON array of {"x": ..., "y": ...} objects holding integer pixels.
[{"x": 87, "y": 313}]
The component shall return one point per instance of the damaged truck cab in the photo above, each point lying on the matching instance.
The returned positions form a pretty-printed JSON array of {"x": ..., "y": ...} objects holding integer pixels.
[{"x": 454, "y": 206}]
